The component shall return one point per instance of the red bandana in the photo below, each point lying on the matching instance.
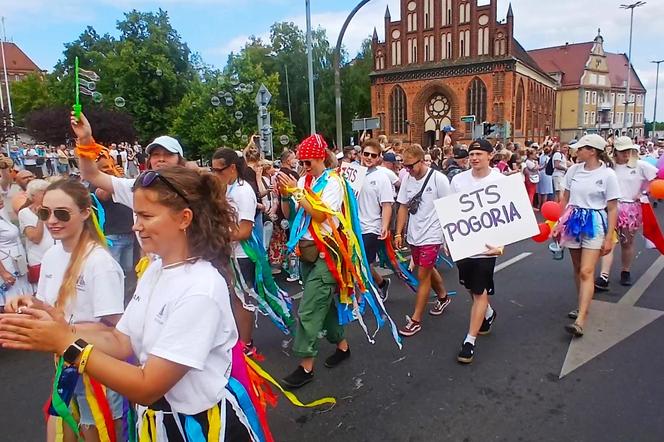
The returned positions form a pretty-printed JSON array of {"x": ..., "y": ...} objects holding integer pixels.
[{"x": 312, "y": 148}]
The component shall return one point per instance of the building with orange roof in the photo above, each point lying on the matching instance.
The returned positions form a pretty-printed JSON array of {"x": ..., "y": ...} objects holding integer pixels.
[{"x": 19, "y": 65}]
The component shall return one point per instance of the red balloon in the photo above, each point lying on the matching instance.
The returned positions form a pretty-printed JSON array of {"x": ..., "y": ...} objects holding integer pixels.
[
  {"x": 544, "y": 232},
  {"x": 551, "y": 211},
  {"x": 660, "y": 173},
  {"x": 657, "y": 189}
]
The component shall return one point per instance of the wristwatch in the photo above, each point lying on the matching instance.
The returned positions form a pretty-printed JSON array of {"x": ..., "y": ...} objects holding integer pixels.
[{"x": 74, "y": 351}]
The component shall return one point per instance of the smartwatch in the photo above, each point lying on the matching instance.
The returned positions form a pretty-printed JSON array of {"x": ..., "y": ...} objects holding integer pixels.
[{"x": 74, "y": 351}]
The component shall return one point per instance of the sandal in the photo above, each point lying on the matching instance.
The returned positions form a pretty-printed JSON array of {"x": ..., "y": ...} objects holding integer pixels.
[
  {"x": 574, "y": 329},
  {"x": 573, "y": 314}
]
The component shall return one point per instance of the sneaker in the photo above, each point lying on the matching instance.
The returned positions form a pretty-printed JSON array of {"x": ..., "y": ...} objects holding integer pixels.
[
  {"x": 298, "y": 378},
  {"x": 384, "y": 291},
  {"x": 410, "y": 328},
  {"x": 574, "y": 329},
  {"x": 485, "y": 329},
  {"x": 573, "y": 314},
  {"x": 440, "y": 305},
  {"x": 276, "y": 270},
  {"x": 602, "y": 284},
  {"x": 293, "y": 278},
  {"x": 337, "y": 358},
  {"x": 625, "y": 279},
  {"x": 466, "y": 354}
]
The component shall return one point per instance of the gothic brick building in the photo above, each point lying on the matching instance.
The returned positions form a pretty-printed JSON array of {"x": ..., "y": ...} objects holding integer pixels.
[{"x": 448, "y": 58}]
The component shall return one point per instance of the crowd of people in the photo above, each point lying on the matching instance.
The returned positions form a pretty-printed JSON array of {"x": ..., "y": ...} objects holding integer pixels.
[{"x": 146, "y": 273}]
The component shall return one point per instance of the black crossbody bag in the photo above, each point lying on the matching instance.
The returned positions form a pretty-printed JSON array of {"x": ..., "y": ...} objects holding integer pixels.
[{"x": 416, "y": 200}]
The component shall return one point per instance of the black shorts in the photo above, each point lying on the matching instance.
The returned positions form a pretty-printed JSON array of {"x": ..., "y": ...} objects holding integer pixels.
[
  {"x": 248, "y": 270},
  {"x": 476, "y": 274},
  {"x": 371, "y": 246}
]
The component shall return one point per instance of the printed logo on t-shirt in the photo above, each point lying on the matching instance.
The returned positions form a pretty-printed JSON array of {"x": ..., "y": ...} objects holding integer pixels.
[
  {"x": 428, "y": 189},
  {"x": 80, "y": 284},
  {"x": 48, "y": 275},
  {"x": 160, "y": 316},
  {"x": 599, "y": 182},
  {"x": 632, "y": 172}
]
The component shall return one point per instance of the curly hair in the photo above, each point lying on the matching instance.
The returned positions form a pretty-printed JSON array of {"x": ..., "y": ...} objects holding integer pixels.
[{"x": 209, "y": 234}]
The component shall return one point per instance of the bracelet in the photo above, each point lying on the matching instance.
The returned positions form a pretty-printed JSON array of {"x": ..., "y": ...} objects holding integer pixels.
[
  {"x": 84, "y": 358},
  {"x": 398, "y": 235}
]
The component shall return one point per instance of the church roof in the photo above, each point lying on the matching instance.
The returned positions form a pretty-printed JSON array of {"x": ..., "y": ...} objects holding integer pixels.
[{"x": 17, "y": 60}]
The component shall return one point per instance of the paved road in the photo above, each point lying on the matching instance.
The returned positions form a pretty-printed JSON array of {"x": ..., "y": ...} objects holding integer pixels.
[{"x": 512, "y": 392}]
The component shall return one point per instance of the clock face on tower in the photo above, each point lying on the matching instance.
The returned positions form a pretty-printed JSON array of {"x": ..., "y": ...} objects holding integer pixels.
[{"x": 396, "y": 34}]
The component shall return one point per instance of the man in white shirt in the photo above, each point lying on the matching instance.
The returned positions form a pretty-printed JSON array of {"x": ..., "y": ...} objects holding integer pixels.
[
  {"x": 375, "y": 208},
  {"x": 421, "y": 186},
  {"x": 559, "y": 169},
  {"x": 476, "y": 272},
  {"x": 317, "y": 312}
]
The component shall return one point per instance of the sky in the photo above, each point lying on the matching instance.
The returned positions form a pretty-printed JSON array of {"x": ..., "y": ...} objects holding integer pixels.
[{"x": 214, "y": 28}]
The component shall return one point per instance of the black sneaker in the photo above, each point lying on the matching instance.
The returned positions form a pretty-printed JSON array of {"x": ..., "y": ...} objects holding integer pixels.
[
  {"x": 337, "y": 358},
  {"x": 602, "y": 284},
  {"x": 465, "y": 356},
  {"x": 385, "y": 289},
  {"x": 298, "y": 378},
  {"x": 625, "y": 279},
  {"x": 485, "y": 329}
]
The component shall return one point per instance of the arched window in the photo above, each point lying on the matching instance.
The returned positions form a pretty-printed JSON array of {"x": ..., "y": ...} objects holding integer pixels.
[
  {"x": 476, "y": 99},
  {"x": 398, "y": 111},
  {"x": 518, "y": 111}
]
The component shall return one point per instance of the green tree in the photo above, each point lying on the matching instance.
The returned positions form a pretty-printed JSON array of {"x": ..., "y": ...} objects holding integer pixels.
[{"x": 28, "y": 94}]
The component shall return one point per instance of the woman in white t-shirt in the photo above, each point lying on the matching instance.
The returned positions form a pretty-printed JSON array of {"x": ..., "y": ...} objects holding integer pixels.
[
  {"x": 634, "y": 176},
  {"x": 590, "y": 199},
  {"x": 230, "y": 168},
  {"x": 179, "y": 323},
  {"x": 80, "y": 280},
  {"x": 13, "y": 264},
  {"x": 37, "y": 238}
]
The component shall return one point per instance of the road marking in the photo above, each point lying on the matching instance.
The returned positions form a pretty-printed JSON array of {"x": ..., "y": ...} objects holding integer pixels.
[
  {"x": 636, "y": 291},
  {"x": 610, "y": 323},
  {"x": 511, "y": 261}
]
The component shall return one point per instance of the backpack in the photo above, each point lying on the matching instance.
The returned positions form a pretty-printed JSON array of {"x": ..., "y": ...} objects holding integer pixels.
[{"x": 549, "y": 166}]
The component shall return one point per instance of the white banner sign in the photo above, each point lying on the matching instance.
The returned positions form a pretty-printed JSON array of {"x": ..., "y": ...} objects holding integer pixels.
[
  {"x": 496, "y": 213},
  {"x": 355, "y": 175}
]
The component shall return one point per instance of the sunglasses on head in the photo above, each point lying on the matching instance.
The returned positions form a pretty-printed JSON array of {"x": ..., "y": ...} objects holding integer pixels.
[
  {"x": 306, "y": 163},
  {"x": 148, "y": 178},
  {"x": 369, "y": 154},
  {"x": 410, "y": 166},
  {"x": 44, "y": 213}
]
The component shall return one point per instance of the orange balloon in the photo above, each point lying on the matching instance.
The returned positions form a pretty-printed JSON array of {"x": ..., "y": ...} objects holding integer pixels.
[{"x": 657, "y": 189}]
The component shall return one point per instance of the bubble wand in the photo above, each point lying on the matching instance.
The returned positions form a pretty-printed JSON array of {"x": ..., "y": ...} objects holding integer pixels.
[{"x": 77, "y": 106}]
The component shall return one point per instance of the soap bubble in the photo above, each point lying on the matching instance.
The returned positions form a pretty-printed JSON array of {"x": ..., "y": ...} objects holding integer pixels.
[
  {"x": 119, "y": 102},
  {"x": 249, "y": 88},
  {"x": 224, "y": 138},
  {"x": 158, "y": 72},
  {"x": 229, "y": 101},
  {"x": 97, "y": 97},
  {"x": 235, "y": 80},
  {"x": 215, "y": 101},
  {"x": 242, "y": 87},
  {"x": 238, "y": 133},
  {"x": 239, "y": 115},
  {"x": 245, "y": 138},
  {"x": 91, "y": 85},
  {"x": 284, "y": 139},
  {"x": 228, "y": 95}
]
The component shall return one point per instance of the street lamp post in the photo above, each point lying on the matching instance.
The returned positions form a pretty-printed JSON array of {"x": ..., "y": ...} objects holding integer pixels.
[
  {"x": 629, "y": 55},
  {"x": 337, "y": 72},
  {"x": 654, "y": 110}
]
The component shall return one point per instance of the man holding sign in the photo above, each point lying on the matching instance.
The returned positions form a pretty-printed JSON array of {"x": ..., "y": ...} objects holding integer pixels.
[
  {"x": 476, "y": 272},
  {"x": 419, "y": 189}
]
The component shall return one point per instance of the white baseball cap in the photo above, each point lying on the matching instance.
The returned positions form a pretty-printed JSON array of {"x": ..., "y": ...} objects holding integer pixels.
[
  {"x": 591, "y": 140},
  {"x": 169, "y": 143},
  {"x": 624, "y": 143}
]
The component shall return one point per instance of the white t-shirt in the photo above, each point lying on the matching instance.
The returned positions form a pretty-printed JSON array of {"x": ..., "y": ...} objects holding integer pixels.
[
  {"x": 424, "y": 226},
  {"x": 558, "y": 156},
  {"x": 243, "y": 199},
  {"x": 122, "y": 193},
  {"x": 35, "y": 252},
  {"x": 376, "y": 190},
  {"x": 183, "y": 314},
  {"x": 633, "y": 181},
  {"x": 99, "y": 289},
  {"x": 466, "y": 182},
  {"x": 591, "y": 189},
  {"x": 332, "y": 196},
  {"x": 30, "y": 153}
]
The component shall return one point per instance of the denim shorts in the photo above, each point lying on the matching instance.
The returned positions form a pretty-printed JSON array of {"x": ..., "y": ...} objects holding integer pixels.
[{"x": 113, "y": 398}]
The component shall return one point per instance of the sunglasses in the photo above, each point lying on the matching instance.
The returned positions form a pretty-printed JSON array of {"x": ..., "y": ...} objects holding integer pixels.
[
  {"x": 410, "y": 166},
  {"x": 369, "y": 154},
  {"x": 44, "y": 213},
  {"x": 219, "y": 169},
  {"x": 306, "y": 163},
  {"x": 148, "y": 178}
]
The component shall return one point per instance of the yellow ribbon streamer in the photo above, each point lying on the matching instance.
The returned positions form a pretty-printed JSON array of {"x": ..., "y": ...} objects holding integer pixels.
[
  {"x": 148, "y": 426},
  {"x": 214, "y": 423},
  {"x": 291, "y": 397},
  {"x": 97, "y": 415}
]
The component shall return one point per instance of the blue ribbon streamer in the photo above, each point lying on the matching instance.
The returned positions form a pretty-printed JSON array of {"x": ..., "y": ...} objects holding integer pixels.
[
  {"x": 247, "y": 406},
  {"x": 302, "y": 220}
]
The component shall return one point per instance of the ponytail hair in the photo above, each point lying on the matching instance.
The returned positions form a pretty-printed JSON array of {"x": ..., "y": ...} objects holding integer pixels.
[
  {"x": 86, "y": 243},
  {"x": 229, "y": 156}
]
